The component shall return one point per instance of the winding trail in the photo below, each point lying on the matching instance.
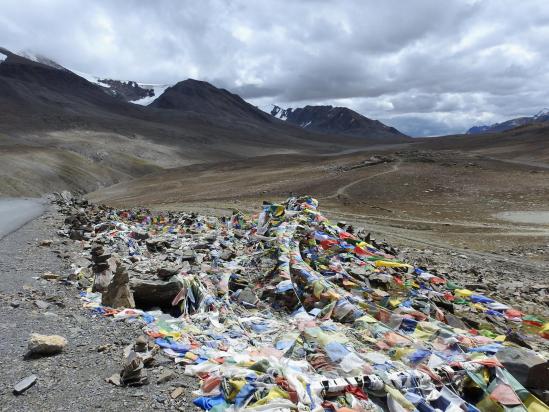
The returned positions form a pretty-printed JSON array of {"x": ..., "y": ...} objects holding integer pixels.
[{"x": 341, "y": 191}]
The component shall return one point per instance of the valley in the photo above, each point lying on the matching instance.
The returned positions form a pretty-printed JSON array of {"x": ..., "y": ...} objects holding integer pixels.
[{"x": 190, "y": 217}]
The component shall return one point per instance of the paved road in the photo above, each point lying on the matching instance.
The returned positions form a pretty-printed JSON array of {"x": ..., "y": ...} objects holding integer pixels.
[
  {"x": 74, "y": 380},
  {"x": 15, "y": 212}
]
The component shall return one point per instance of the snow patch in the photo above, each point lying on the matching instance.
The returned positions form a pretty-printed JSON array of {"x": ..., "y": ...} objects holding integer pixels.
[
  {"x": 305, "y": 124},
  {"x": 40, "y": 59},
  {"x": 3, "y": 57},
  {"x": 542, "y": 113},
  {"x": 91, "y": 78},
  {"x": 279, "y": 112},
  {"x": 157, "y": 89}
]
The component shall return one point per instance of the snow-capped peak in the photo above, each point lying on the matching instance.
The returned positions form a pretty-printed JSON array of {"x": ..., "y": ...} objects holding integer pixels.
[
  {"x": 157, "y": 89},
  {"x": 154, "y": 89},
  {"x": 279, "y": 112},
  {"x": 38, "y": 58},
  {"x": 91, "y": 78},
  {"x": 542, "y": 113}
]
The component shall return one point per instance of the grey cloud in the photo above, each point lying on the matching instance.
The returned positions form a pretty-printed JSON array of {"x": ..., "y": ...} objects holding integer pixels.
[{"x": 427, "y": 66}]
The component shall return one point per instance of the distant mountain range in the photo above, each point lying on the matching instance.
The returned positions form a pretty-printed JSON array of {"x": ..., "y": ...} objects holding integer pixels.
[
  {"x": 199, "y": 97},
  {"x": 337, "y": 120},
  {"x": 541, "y": 117},
  {"x": 66, "y": 129}
]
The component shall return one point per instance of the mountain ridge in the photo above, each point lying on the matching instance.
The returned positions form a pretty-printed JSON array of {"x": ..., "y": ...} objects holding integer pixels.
[
  {"x": 59, "y": 130},
  {"x": 199, "y": 96},
  {"x": 339, "y": 120},
  {"x": 540, "y": 117}
]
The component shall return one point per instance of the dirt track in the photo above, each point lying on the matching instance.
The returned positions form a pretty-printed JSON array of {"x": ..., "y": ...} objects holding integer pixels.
[{"x": 341, "y": 191}]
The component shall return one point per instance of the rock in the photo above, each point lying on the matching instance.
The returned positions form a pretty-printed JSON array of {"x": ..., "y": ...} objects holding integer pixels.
[
  {"x": 46, "y": 344},
  {"x": 475, "y": 286},
  {"x": 157, "y": 245},
  {"x": 140, "y": 234},
  {"x": 84, "y": 283},
  {"x": 66, "y": 196},
  {"x": 247, "y": 296},
  {"x": 133, "y": 373},
  {"x": 40, "y": 304},
  {"x": 187, "y": 256},
  {"x": 50, "y": 315},
  {"x": 227, "y": 255},
  {"x": 24, "y": 384},
  {"x": 104, "y": 348},
  {"x": 102, "y": 258},
  {"x": 154, "y": 292},
  {"x": 50, "y": 276},
  {"x": 118, "y": 293},
  {"x": 76, "y": 234},
  {"x": 114, "y": 379},
  {"x": 103, "y": 274},
  {"x": 176, "y": 393},
  {"x": 514, "y": 337},
  {"x": 165, "y": 376},
  {"x": 470, "y": 321},
  {"x": 455, "y": 322},
  {"x": 167, "y": 271},
  {"x": 141, "y": 344},
  {"x": 15, "y": 303},
  {"x": 45, "y": 242},
  {"x": 201, "y": 246},
  {"x": 531, "y": 370}
]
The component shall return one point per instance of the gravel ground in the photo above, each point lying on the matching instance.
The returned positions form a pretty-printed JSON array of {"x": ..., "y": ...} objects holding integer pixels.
[{"x": 74, "y": 379}]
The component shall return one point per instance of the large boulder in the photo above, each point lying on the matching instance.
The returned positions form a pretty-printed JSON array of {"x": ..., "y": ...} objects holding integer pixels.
[
  {"x": 530, "y": 369},
  {"x": 46, "y": 344},
  {"x": 155, "y": 292}
]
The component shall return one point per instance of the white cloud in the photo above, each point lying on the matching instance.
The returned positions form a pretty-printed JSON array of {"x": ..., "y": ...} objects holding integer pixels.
[{"x": 422, "y": 66}]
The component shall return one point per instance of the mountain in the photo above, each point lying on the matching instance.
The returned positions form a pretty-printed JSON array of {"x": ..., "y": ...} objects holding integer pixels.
[
  {"x": 337, "y": 120},
  {"x": 201, "y": 97},
  {"x": 60, "y": 130},
  {"x": 127, "y": 90},
  {"x": 541, "y": 117},
  {"x": 39, "y": 92}
]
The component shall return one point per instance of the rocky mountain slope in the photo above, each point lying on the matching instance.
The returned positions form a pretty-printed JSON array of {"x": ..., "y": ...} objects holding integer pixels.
[
  {"x": 60, "y": 130},
  {"x": 201, "y": 97},
  {"x": 541, "y": 117},
  {"x": 337, "y": 120}
]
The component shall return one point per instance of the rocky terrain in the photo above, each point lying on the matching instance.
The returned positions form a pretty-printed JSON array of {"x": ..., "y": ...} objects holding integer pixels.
[
  {"x": 30, "y": 303},
  {"x": 55, "y": 258}
]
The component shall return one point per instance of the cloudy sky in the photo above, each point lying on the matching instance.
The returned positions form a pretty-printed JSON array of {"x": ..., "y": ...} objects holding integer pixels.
[{"x": 427, "y": 67}]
